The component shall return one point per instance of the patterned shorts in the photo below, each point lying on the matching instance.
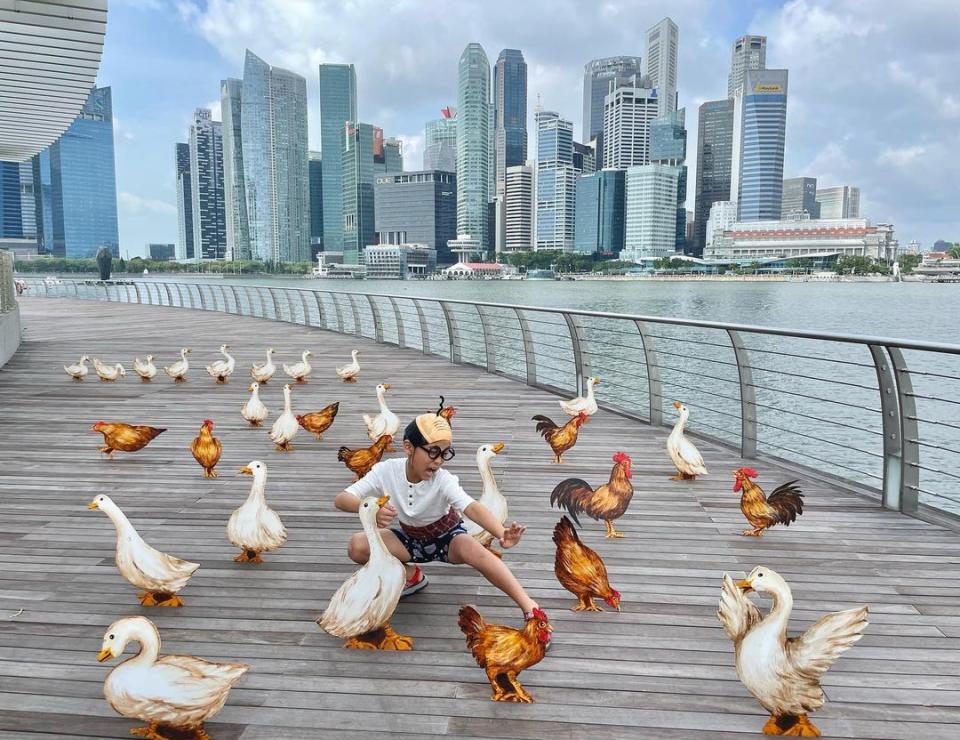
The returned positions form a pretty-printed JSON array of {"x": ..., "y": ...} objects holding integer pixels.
[{"x": 432, "y": 548}]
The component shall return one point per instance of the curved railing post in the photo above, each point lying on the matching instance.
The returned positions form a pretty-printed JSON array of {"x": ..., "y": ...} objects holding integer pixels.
[
  {"x": 910, "y": 482},
  {"x": 321, "y": 316},
  {"x": 654, "y": 384},
  {"x": 529, "y": 357},
  {"x": 401, "y": 337},
  {"x": 377, "y": 321},
  {"x": 573, "y": 328},
  {"x": 303, "y": 305},
  {"x": 357, "y": 327},
  {"x": 453, "y": 332},
  {"x": 748, "y": 399},
  {"x": 424, "y": 329},
  {"x": 236, "y": 299},
  {"x": 166, "y": 287},
  {"x": 338, "y": 311},
  {"x": 892, "y": 439},
  {"x": 489, "y": 341},
  {"x": 136, "y": 287},
  {"x": 276, "y": 305}
]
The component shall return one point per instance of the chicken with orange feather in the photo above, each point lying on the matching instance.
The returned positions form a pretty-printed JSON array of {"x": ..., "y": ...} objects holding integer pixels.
[
  {"x": 607, "y": 503},
  {"x": 360, "y": 461},
  {"x": 782, "y": 506},
  {"x": 560, "y": 438},
  {"x": 124, "y": 437},
  {"x": 317, "y": 422},
  {"x": 581, "y": 570},
  {"x": 206, "y": 449}
]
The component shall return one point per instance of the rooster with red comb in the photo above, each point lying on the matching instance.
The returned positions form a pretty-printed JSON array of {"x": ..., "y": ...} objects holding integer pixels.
[
  {"x": 606, "y": 503},
  {"x": 783, "y": 506}
]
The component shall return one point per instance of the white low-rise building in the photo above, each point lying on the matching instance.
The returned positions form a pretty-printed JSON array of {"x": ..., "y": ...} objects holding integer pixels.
[
  {"x": 854, "y": 237},
  {"x": 399, "y": 261}
]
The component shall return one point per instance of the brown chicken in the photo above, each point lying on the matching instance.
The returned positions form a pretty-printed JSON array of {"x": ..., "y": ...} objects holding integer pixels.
[
  {"x": 560, "y": 438},
  {"x": 581, "y": 571},
  {"x": 783, "y": 506},
  {"x": 361, "y": 460},
  {"x": 504, "y": 651},
  {"x": 318, "y": 422},
  {"x": 447, "y": 412},
  {"x": 124, "y": 437},
  {"x": 206, "y": 449},
  {"x": 606, "y": 503}
]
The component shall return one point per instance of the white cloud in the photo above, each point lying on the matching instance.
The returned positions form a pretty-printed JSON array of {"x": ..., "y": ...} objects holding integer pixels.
[
  {"x": 412, "y": 151},
  {"x": 903, "y": 156},
  {"x": 132, "y": 204},
  {"x": 215, "y": 110}
]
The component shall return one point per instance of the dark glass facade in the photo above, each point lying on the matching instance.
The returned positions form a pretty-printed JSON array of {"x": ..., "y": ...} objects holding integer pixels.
[
  {"x": 357, "y": 171},
  {"x": 185, "y": 243},
  {"x": 714, "y": 152},
  {"x": 596, "y": 80},
  {"x": 599, "y": 225},
  {"x": 668, "y": 139},
  {"x": 509, "y": 113},
  {"x": 763, "y": 126},
  {"x": 338, "y": 104},
  {"x": 316, "y": 204},
  {"x": 11, "y": 220},
  {"x": 417, "y": 208}
]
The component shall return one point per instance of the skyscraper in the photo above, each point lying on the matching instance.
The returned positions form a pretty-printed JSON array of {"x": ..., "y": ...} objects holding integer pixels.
[
  {"x": 629, "y": 109},
  {"x": 650, "y": 222},
  {"x": 387, "y": 154},
  {"x": 518, "y": 209},
  {"x": 714, "y": 152},
  {"x": 185, "y": 249},
  {"x": 316, "y": 203},
  {"x": 206, "y": 187},
  {"x": 338, "y": 104},
  {"x": 600, "y": 213},
  {"x": 749, "y": 52},
  {"x": 83, "y": 182},
  {"x": 440, "y": 142},
  {"x": 474, "y": 119},
  {"x": 584, "y": 158},
  {"x": 417, "y": 208},
  {"x": 358, "y": 193},
  {"x": 839, "y": 202},
  {"x": 509, "y": 114},
  {"x": 661, "y": 62},
  {"x": 759, "y": 134},
  {"x": 11, "y": 216},
  {"x": 596, "y": 81},
  {"x": 275, "y": 157},
  {"x": 556, "y": 183},
  {"x": 668, "y": 146},
  {"x": 234, "y": 192},
  {"x": 799, "y": 197}
]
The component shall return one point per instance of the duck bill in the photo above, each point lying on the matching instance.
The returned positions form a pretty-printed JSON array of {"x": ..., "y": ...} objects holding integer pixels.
[
  {"x": 386, "y": 386},
  {"x": 745, "y": 586},
  {"x": 498, "y": 448},
  {"x": 246, "y": 470},
  {"x": 92, "y": 505},
  {"x": 103, "y": 655},
  {"x": 677, "y": 404},
  {"x": 382, "y": 500}
]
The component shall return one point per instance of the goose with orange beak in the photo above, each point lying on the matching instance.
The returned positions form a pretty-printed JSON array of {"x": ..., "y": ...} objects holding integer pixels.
[{"x": 255, "y": 527}]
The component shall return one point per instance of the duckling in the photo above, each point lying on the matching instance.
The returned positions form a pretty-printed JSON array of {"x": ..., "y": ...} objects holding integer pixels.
[
  {"x": 254, "y": 410},
  {"x": 361, "y": 608},
  {"x": 285, "y": 428},
  {"x": 108, "y": 372},
  {"x": 222, "y": 369},
  {"x": 264, "y": 373},
  {"x": 178, "y": 370},
  {"x": 386, "y": 422},
  {"x": 146, "y": 370},
  {"x": 300, "y": 371},
  {"x": 179, "y": 692},
  {"x": 161, "y": 575},
  {"x": 685, "y": 456},
  {"x": 351, "y": 371},
  {"x": 78, "y": 371},
  {"x": 782, "y": 673},
  {"x": 255, "y": 527},
  {"x": 586, "y": 404},
  {"x": 491, "y": 496}
]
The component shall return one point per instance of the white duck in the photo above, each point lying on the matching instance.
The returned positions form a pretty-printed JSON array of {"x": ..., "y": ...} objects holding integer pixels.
[
  {"x": 361, "y": 608},
  {"x": 178, "y": 370},
  {"x": 782, "y": 673},
  {"x": 300, "y": 371},
  {"x": 491, "y": 496},
  {"x": 582, "y": 404},
  {"x": 176, "y": 691},
  {"x": 160, "y": 575},
  {"x": 255, "y": 527},
  {"x": 264, "y": 373},
  {"x": 348, "y": 373},
  {"x": 78, "y": 371},
  {"x": 253, "y": 410},
  {"x": 386, "y": 422},
  {"x": 685, "y": 456},
  {"x": 146, "y": 370},
  {"x": 222, "y": 369},
  {"x": 285, "y": 428},
  {"x": 108, "y": 372}
]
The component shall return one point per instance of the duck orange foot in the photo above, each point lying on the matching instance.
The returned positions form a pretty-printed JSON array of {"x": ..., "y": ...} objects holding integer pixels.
[
  {"x": 157, "y": 598},
  {"x": 248, "y": 556},
  {"x": 301, "y": 380},
  {"x": 256, "y": 423},
  {"x": 150, "y": 732},
  {"x": 803, "y": 728},
  {"x": 683, "y": 476},
  {"x": 285, "y": 447},
  {"x": 384, "y": 638},
  {"x": 180, "y": 380},
  {"x": 349, "y": 380},
  {"x": 222, "y": 381}
]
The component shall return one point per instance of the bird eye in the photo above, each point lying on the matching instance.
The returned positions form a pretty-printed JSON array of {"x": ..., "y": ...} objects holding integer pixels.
[
  {"x": 111, "y": 637},
  {"x": 759, "y": 575},
  {"x": 366, "y": 506}
]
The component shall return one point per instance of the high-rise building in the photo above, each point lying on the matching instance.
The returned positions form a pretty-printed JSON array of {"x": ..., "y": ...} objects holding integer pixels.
[
  {"x": 440, "y": 142},
  {"x": 206, "y": 187},
  {"x": 759, "y": 135},
  {"x": 316, "y": 203},
  {"x": 185, "y": 232},
  {"x": 799, "y": 198},
  {"x": 555, "y": 183},
  {"x": 234, "y": 192},
  {"x": 596, "y": 86},
  {"x": 417, "y": 208},
  {"x": 275, "y": 161},
  {"x": 338, "y": 104},
  {"x": 518, "y": 209},
  {"x": 723, "y": 214},
  {"x": 474, "y": 139},
  {"x": 600, "y": 213},
  {"x": 358, "y": 195},
  {"x": 650, "y": 228},
  {"x": 387, "y": 154},
  {"x": 162, "y": 252},
  {"x": 661, "y": 63},
  {"x": 584, "y": 158},
  {"x": 714, "y": 152},
  {"x": 78, "y": 185},
  {"x": 629, "y": 109},
  {"x": 749, "y": 52},
  {"x": 668, "y": 145},
  {"x": 839, "y": 202},
  {"x": 509, "y": 114},
  {"x": 11, "y": 212},
  {"x": 28, "y": 201}
]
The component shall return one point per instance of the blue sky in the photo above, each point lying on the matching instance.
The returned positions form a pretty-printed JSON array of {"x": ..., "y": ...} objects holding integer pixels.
[{"x": 873, "y": 94}]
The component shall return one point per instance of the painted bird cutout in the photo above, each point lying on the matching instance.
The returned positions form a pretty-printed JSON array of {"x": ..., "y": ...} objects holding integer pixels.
[
  {"x": 581, "y": 570},
  {"x": 125, "y": 437},
  {"x": 207, "y": 449},
  {"x": 560, "y": 438},
  {"x": 605, "y": 503},
  {"x": 782, "y": 506}
]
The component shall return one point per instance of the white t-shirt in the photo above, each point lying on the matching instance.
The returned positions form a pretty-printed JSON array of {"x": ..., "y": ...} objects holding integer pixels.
[{"x": 417, "y": 504}]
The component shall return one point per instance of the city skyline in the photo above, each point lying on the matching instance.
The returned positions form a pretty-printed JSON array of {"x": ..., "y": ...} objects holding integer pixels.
[{"x": 834, "y": 132}]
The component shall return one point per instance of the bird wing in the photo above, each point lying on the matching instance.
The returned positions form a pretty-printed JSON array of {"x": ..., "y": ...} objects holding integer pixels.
[
  {"x": 585, "y": 567},
  {"x": 691, "y": 455},
  {"x": 736, "y": 612},
  {"x": 814, "y": 651}
]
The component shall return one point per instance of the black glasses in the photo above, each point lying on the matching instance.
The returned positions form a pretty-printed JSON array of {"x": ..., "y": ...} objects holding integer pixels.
[{"x": 434, "y": 452}]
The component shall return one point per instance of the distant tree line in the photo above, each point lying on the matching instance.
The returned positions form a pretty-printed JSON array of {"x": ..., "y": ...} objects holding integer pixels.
[
  {"x": 137, "y": 265},
  {"x": 564, "y": 262}
]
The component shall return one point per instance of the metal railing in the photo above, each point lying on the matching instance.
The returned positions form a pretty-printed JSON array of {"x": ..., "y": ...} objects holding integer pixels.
[{"x": 878, "y": 412}]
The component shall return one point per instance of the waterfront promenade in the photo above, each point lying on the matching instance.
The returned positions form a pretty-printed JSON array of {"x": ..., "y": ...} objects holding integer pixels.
[{"x": 661, "y": 669}]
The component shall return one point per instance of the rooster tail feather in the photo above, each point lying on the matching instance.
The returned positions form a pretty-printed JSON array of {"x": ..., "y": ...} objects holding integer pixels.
[
  {"x": 571, "y": 494},
  {"x": 342, "y": 454},
  {"x": 787, "y": 501},
  {"x": 470, "y": 621},
  {"x": 565, "y": 533},
  {"x": 544, "y": 424}
]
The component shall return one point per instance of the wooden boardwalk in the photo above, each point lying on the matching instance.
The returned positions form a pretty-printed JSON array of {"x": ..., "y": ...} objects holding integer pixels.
[{"x": 661, "y": 669}]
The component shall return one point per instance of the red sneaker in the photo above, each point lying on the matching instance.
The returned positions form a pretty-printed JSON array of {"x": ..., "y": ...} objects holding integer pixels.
[{"x": 417, "y": 582}]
